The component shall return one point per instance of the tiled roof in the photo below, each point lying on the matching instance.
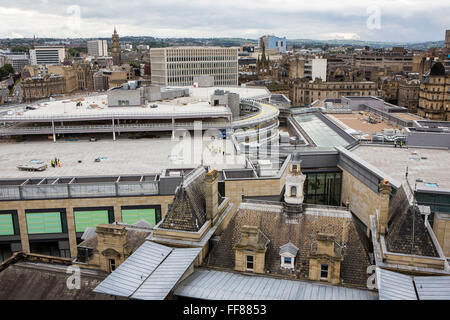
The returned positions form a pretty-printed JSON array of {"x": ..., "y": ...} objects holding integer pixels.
[
  {"x": 276, "y": 226},
  {"x": 188, "y": 210},
  {"x": 289, "y": 248},
  {"x": 28, "y": 279},
  {"x": 401, "y": 238}
]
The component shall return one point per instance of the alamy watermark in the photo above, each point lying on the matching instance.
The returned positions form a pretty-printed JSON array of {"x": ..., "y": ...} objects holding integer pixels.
[
  {"x": 374, "y": 19},
  {"x": 74, "y": 280},
  {"x": 73, "y": 22}
]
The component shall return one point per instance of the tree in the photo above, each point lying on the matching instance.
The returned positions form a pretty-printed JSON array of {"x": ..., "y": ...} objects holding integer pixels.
[
  {"x": 19, "y": 49},
  {"x": 6, "y": 70}
]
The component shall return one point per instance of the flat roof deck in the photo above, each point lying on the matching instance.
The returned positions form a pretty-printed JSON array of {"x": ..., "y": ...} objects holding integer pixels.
[
  {"x": 357, "y": 121},
  {"x": 96, "y": 107},
  {"x": 393, "y": 161},
  {"x": 244, "y": 92},
  {"x": 120, "y": 157},
  {"x": 407, "y": 116},
  {"x": 319, "y": 131}
]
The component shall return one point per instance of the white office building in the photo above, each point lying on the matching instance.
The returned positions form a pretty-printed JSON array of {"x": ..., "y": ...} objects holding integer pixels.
[
  {"x": 17, "y": 59},
  {"x": 319, "y": 69},
  {"x": 177, "y": 66},
  {"x": 97, "y": 48},
  {"x": 47, "y": 55}
]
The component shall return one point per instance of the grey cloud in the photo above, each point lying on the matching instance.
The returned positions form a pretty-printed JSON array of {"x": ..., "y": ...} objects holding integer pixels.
[{"x": 169, "y": 18}]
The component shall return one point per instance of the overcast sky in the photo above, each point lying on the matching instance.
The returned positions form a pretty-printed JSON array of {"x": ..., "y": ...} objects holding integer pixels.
[{"x": 381, "y": 20}]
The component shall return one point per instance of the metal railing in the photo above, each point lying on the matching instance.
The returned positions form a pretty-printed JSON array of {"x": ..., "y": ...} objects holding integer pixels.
[
  {"x": 78, "y": 190},
  {"x": 108, "y": 128},
  {"x": 255, "y": 119},
  {"x": 115, "y": 115}
]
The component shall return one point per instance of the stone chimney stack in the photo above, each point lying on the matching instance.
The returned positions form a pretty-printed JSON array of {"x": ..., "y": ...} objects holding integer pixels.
[
  {"x": 212, "y": 194},
  {"x": 325, "y": 244},
  {"x": 250, "y": 233},
  {"x": 111, "y": 245},
  {"x": 383, "y": 206}
]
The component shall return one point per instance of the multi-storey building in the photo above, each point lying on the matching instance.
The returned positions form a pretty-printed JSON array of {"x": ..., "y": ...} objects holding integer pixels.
[
  {"x": 311, "y": 67},
  {"x": 177, "y": 66},
  {"x": 408, "y": 95},
  {"x": 69, "y": 74},
  {"x": 272, "y": 42},
  {"x": 85, "y": 76},
  {"x": 389, "y": 89},
  {"x": 2, "y": 60},
  {"x": 47, "y": 55},
  {"x": 97, "y": 48},
  {"x": 305, "y": 92},
  {"x": 42, "y": 87},
  {"x": 447, "y": 39},
  {"x": 17, "y": 59},
  {"x": 393, "y": 62},
  {"x": 434, "y": 96}
]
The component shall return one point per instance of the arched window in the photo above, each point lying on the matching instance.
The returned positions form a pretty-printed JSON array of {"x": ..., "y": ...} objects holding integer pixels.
[{"x": 293, "y": 191}]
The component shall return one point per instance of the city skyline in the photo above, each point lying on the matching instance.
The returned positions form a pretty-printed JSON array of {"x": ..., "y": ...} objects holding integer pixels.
[{"x": 405, "y": 21}]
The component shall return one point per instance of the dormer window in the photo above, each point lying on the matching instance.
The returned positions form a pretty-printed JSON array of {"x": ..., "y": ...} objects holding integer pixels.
[
  {"x": 288, "y": 252},
  {"x": 250, "y": 251}
]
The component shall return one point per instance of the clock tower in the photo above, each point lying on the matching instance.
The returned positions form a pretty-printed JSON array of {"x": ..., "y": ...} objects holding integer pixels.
[{"x": 115, "y": 51}]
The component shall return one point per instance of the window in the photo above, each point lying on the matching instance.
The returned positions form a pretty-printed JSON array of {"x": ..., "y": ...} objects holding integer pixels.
[
  {"x": 132, "y": 214},
  {"x": 44, "y": 222},
  {"x": 249, "y": 262},
  {"x": 6, "y": 225},
  {"x": 293, "y": 191},
  {"x": 112, "y": 265},
  {"x": 287, "y": 262},
  {"x": 324, "y": 271},
  {"x": 92, "y": 218}
]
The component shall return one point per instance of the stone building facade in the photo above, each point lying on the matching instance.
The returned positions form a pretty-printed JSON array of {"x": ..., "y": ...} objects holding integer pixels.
[
  {"x": 69, "y": 74},
  {"x": 85, "y": 76},
  {"x": 42, "y": 87},
  {"x": 434, "y": 97},
  {"x": 408, "y": 95},
  {"x": 303, "y": 93}
]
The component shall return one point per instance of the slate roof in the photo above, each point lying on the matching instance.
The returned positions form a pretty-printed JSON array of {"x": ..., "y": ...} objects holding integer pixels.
[
  {"x": 289, "y": 248},
  {"x": 35, "y": 280},
  {"x": 276, "y": 226},
  {"x": 399, "y": 237},
  {"x": 188, "y": 210}
]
